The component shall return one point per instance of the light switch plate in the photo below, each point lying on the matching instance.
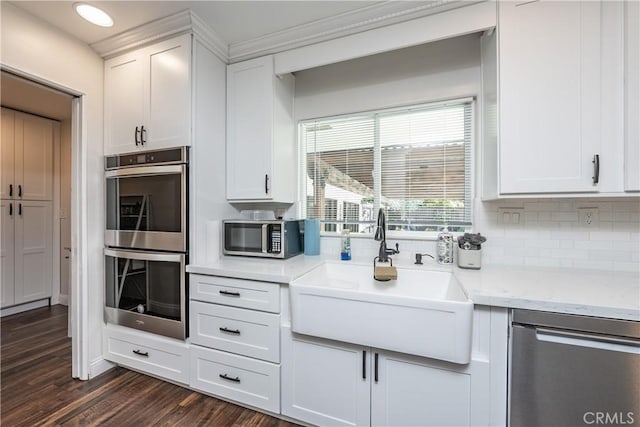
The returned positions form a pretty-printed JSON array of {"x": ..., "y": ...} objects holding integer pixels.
[{"x": 510, "y": 216}]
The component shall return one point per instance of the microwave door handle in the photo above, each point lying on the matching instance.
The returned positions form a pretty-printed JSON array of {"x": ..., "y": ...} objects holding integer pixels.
[{"x": 265, "y": 232}]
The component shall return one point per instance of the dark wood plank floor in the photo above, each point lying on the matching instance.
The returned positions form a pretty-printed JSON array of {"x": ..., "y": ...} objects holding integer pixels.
[{"x": 37, "y": 388}]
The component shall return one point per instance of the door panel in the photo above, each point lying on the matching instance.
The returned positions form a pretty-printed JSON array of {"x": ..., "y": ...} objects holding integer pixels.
[
  {"x": 168, "y": 104},
  {"x": 33, "y": 249},
  {"x": 124, "y": 94},
  {"x": 410, "y": 392},
  {"x": 323, "y": 381},
  {"x": 35, "y": 153},
  {"x": 7, "y": 153}
]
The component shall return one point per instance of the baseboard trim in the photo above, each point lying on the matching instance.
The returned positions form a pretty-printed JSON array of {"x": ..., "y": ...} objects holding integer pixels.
[
  {"x": 99, "y": 366},
  {"x": 8, "y": 311},
  {"x": 63, "y": 299}
]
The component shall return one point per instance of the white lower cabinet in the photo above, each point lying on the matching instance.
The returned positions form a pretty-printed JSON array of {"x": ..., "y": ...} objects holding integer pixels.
[
  {"x": 410, "y": 391},
  {"x": 326, "y": 382},
  {"x": 243, "y": 379},
  {"x": 152, "y": 354}
]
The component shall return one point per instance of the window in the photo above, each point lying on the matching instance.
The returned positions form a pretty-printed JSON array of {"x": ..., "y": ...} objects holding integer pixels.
[{"x": 414, "y": 162}]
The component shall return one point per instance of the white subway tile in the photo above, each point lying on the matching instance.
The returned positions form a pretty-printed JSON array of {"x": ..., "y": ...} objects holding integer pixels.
[
  {"x": 626, "y": 216},
  {"x": 626, "y": 226},
  {"x": 570, "y": 253},
  {"x": 593, "y": 244},
  {"x": 542, "y": 243},
  {"x": 508, "y": 243},
  {"x": 572, "y": 235},
  {"x": 632, "y": 246},
  {"x": 564, "y": 216},
  {"x": 626, "y": 266},
  {"x": 593, "y": 265},
  {"x": 544, "y": 216},
  {"x": 626, "y": 206},
  {"x": 521, "y": 233},
  {"x": 603, "y": 255},
  {"x": 606, "y": 235},
  {"x": 566, "y": 263},
  {"x": 543, "y": 262},
  {"x": 568, "y": 244},
  {"x": 525, "y": 252}
]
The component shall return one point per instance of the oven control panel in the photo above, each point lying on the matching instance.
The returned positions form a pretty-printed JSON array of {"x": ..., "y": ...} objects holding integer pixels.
[{"x": 276, "y": 239}]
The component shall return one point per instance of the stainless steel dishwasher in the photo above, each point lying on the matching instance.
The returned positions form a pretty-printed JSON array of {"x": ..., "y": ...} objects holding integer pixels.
[{"x": 570, "y": 370}]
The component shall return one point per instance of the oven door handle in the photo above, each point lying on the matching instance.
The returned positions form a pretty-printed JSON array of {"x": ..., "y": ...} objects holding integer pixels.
[
  {"x": 145, "y": 256},
  {"x": 145, "y": 171}
]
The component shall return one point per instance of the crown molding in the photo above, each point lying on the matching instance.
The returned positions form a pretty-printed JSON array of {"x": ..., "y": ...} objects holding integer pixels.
[
  {"x": 355, "y": 21},
  {"x": 179, "y": 23}
]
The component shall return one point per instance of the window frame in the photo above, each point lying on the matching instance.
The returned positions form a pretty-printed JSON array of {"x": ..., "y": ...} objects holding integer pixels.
[{"x": 404, "y": 235}]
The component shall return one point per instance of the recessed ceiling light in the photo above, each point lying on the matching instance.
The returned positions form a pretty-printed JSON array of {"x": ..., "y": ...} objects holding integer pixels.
[{"x": 93, "y": 14}]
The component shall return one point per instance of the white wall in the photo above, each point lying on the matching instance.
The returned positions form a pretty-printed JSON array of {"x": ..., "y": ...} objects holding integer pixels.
[
  {"x": 38, "y": 49},
  {"x": 431, "y": 72}
]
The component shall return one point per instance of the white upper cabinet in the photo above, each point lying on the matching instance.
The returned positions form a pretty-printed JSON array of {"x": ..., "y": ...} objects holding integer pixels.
[
  {"x": 260, "y": 133},
  {"x": 549, "y": 96},
  {"x": 148, "y": 97},
  {"x": 632, "y": 96},
  {"x": 27, "y": 156}
]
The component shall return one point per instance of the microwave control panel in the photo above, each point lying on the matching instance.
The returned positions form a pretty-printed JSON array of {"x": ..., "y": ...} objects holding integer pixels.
[{"x": 276, "y": 239}]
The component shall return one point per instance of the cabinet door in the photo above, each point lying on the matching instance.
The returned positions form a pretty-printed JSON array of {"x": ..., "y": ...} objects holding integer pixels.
[
  {"x": 632, "y": 96},
  {"x": 249, "y": 129},
  {"x": 7, "y": 154},
  {"x": 325, "y": 382},
  {"x": 7, "y": 215},
  {"x": 410, "y": 392},
  {"x": 33, "y": 250},
  {"x": 168, "y": 102},
  {"x": 550, "y": 118},
  {"x": 124, "y": 82},
  {"x": 34, "y": 137}
]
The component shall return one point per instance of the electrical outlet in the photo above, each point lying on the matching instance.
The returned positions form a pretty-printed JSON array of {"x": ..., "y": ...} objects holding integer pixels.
[
  {"x": 589, "y": 217},
  {"x": 510, "y": 216}
]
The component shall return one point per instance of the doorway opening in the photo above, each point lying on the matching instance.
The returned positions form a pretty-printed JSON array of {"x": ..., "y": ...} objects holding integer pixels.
[{"x": 41, "y": 253}]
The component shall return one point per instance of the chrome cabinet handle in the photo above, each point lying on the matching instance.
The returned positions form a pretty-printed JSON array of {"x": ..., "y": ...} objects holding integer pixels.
[
  {"x": 231, "y": 331},
  {"x": 135, "y": 136},
  {"x": 141, "y": 353},
  {"x": 596, "y": 169},
  {"x": 228, "y": 378}
]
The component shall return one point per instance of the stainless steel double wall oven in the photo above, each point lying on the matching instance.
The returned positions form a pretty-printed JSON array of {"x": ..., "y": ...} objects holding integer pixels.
[{"x": 146, "y": 241}]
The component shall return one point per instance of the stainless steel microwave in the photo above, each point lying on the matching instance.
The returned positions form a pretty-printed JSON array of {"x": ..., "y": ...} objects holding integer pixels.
[{"x": 262, "y": 238}]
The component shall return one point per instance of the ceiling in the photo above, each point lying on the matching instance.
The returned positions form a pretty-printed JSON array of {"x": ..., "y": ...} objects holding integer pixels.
[{"x": 234, "y": 21}]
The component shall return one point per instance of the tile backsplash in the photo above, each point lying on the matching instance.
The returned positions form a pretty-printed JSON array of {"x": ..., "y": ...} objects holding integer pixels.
[{"x": 557, "y": 233}]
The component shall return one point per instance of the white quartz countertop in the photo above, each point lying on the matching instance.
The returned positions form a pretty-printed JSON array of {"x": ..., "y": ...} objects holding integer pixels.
[{"x": 586, "y": 292}]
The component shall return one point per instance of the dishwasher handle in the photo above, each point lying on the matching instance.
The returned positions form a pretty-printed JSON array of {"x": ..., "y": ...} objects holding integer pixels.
[{"x": 603, "y": 342}]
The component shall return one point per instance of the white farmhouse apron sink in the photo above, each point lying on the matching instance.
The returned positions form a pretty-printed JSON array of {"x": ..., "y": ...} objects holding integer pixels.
[{"x": 425, "y": 313}]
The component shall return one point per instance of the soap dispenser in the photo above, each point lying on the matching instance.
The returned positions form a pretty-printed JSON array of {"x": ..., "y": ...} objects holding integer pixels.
[{"x": 345, "y": 245}]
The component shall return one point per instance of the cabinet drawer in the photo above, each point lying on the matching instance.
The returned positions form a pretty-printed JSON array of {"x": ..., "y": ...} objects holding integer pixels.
[
  {"x": 238, "y": 330},
  {"x": 262, "y": 296},
  {"x": 249, "y": 381},
  {"x": 152, "y": 354}
]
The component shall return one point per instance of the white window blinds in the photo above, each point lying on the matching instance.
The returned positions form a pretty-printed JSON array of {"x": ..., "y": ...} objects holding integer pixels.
[{"x": 414, "y": 162}]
